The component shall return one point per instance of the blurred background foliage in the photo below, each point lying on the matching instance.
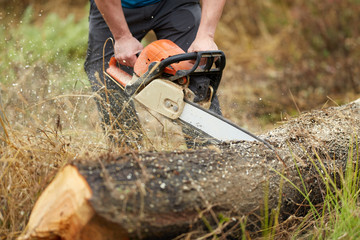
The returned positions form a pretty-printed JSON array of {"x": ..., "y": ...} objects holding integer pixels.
[
  {"x": 296, "y": 54},
  {"x": 283, "y": 56}
]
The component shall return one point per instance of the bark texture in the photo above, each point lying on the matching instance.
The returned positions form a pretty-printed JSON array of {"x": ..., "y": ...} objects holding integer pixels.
[{"x": 161, "y": 195}]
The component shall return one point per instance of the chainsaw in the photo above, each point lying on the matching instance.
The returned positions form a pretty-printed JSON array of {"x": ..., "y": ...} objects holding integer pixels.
[{"x": 180, "y": 85}]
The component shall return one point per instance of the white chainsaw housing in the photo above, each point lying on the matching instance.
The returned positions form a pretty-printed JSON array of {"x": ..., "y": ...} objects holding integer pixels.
[{"x": 164, "y": 97}]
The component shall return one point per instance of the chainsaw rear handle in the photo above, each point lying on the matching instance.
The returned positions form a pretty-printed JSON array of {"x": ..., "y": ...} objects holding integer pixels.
[{"x": 115, "y": 72}]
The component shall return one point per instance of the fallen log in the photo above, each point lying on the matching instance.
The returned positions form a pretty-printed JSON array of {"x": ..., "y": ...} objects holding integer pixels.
[{"x": 160, "y": 195}]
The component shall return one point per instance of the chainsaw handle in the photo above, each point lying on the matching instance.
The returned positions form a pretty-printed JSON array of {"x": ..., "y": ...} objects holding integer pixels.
[{"x": 211, "y": 56}]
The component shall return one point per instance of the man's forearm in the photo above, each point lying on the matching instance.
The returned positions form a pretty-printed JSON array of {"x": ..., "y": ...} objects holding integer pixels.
[
  {"x": 114, "y": 16},
  {"x": 210, "y": 16}
]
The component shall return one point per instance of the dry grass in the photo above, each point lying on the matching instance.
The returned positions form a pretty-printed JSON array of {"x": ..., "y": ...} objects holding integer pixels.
[{"x": 31, "y": 154}]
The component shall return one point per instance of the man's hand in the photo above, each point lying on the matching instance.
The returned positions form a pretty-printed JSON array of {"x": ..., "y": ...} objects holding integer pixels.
[
  {"x": 203, "y": 44},
  {"x": 125, "y": 50},
  {"x": 126, "y": 46}
]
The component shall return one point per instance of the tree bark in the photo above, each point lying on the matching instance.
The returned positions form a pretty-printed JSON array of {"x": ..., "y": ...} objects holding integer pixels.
[{"x": 161, "y": 195}]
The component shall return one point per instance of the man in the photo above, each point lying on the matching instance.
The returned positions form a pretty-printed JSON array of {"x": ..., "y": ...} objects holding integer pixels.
[{"x": 127, "y": 21}]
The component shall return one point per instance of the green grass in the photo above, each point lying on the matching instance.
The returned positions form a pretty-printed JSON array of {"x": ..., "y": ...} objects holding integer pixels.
[
  {"x": 270, "y": 218},
  {"x": 343, "y": 204},
  {"x": 338, "y": 216}
]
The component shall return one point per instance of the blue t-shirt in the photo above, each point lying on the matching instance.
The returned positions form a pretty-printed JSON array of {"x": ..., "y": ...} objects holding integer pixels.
[{"x": 137, "y": 3}]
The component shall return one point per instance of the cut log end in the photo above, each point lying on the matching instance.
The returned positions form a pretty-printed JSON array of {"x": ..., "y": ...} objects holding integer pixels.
[{"x": 63, "y": 209}]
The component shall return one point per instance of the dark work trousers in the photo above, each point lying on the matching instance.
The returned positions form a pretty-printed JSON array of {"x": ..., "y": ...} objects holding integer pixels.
[{"x": 176, "y": 20}]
